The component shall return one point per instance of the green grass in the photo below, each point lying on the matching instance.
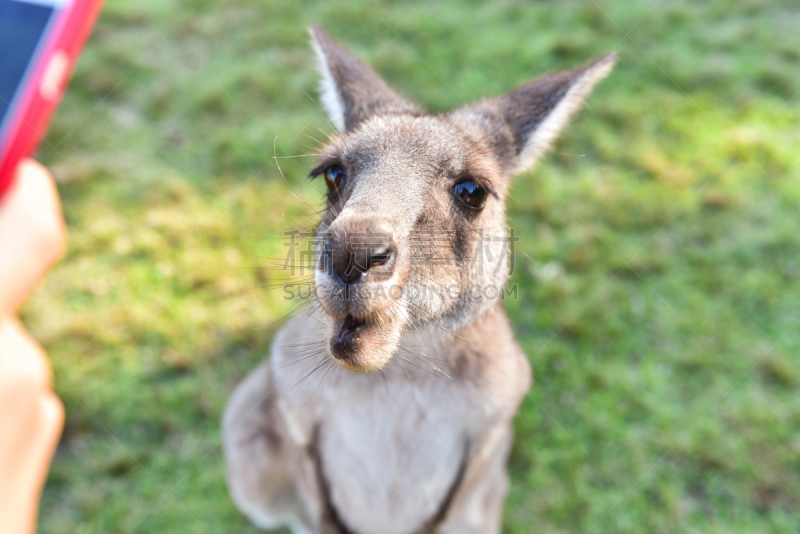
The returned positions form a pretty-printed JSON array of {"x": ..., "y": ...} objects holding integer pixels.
[{"x": 659, "y": 272}]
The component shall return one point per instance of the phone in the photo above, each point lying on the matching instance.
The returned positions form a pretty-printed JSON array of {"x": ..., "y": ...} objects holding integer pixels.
[{"x": 39, "y": 44}]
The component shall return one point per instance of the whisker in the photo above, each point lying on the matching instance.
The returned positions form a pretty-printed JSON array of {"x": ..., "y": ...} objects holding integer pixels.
[
  {"x": 328, "y": 370},
  {"x": 297, "y": 156}
]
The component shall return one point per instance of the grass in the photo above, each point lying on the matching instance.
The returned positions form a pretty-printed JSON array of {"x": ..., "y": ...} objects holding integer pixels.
[{"x": 659, "y": 270}]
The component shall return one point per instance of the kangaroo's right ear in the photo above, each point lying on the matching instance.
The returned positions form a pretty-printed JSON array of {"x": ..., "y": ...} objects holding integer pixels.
[{"x": 351, "y": 91}]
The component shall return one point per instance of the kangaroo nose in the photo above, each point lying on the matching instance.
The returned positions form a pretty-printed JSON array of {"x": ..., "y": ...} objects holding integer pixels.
[{"x": 351, "y": 254}]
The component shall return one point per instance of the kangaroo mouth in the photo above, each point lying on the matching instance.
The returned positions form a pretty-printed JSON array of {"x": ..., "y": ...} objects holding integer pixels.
[
  {"x": 345, "y": 343},
  {"x": 361, "y": 345}
]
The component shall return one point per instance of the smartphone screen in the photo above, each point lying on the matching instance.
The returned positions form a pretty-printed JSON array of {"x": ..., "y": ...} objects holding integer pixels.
[{"x": 23, "y": 27}]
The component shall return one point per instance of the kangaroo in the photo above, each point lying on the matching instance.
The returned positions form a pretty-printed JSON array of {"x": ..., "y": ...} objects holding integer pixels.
[{"x": 408, "y": 429}]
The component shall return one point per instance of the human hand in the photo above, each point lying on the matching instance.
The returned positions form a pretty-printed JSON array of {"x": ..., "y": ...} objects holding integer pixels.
[{"x": 31, "y": 415}]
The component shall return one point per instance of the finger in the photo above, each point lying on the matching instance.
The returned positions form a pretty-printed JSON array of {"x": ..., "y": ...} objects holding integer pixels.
[{"x": 32, "y": 233}]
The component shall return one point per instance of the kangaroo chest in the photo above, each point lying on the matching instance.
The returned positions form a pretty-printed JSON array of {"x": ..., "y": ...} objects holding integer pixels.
[{"x": 389, "y": 455}]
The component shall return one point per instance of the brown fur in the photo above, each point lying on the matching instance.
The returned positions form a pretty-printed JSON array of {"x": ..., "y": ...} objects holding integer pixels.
[{"x": 408, "y": 429}]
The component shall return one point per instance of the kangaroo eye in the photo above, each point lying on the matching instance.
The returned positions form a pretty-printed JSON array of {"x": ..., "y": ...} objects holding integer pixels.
[
  {"x": 335, "y": 178},
  {"x": 471, "y": 193}
]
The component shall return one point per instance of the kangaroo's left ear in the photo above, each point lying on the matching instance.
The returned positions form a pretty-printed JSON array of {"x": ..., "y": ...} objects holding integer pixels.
[
  {"x": 351, "y": 91},
  {"x": 524, "y": 121}
]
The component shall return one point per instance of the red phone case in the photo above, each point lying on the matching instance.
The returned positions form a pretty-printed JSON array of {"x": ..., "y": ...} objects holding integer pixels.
[{"x": 33, "y": 110}]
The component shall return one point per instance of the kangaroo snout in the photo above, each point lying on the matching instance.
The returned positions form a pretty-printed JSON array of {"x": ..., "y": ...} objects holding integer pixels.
[
  {"x": 358, "y": 258},
  {"x": 359, "y": 249},
  {"x": 358, "y": 280}
]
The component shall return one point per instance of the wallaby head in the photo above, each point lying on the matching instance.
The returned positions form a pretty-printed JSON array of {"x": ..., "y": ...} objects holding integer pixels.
[{"x": 414, "y": 233}]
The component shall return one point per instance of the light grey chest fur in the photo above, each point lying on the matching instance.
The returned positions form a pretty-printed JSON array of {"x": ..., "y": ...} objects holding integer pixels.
[{"x": 391, "y": 446}]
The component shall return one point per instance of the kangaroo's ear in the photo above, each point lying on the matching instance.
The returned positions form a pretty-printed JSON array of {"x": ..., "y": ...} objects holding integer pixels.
[
  {"x": 527, "y": 119},
  {"x": 351, "y": 91}
]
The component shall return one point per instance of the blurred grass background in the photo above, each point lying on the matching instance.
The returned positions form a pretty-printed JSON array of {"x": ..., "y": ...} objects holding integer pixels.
[{"x": 658, "y": 272}]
